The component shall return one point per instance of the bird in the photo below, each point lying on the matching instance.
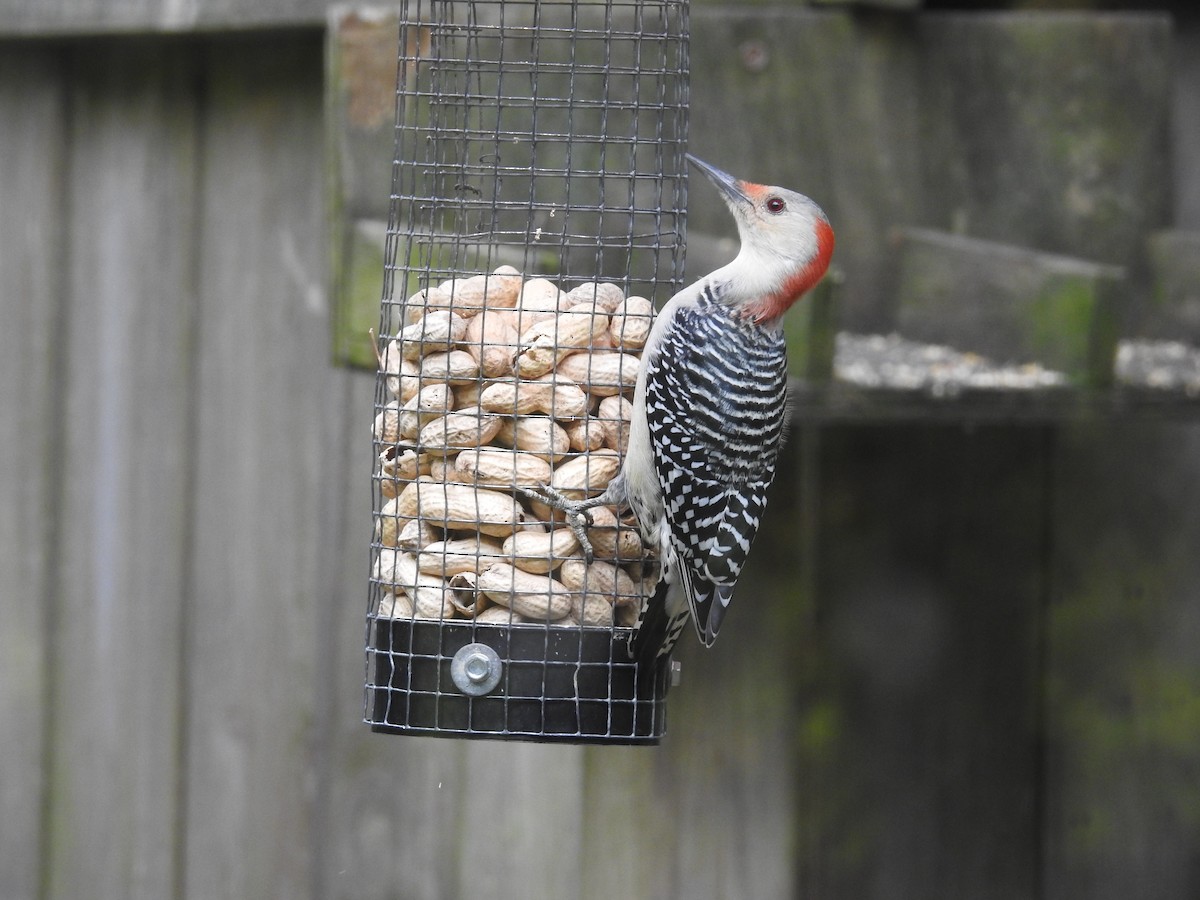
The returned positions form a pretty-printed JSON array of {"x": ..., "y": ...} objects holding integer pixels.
[{"x": 709, "y": 413}]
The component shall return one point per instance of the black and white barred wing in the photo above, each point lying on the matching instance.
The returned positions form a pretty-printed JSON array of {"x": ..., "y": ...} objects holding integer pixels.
[{"x": 715, "y": 404}]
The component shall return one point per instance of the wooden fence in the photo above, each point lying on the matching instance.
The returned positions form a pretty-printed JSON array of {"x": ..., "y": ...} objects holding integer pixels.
[{"x": 964, "y": 664}]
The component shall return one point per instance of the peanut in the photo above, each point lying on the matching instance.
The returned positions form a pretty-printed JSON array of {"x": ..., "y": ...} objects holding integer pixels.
[
  {"x": 465, "y": 596},
  {"x": 441, "y": 468},
  {"x": 556, "y": 397},
  {"x": 493, "y": 341},
  {"x": 588, "y": 609},
  {"x": 615, "y": 414},
  {"x": 502, "y": 468},
  {"x": 467, "y": 296},
  {"x": 535, "y": 596},
  {"x": 540, "y": 300},
  {"x": 467, "y": 395},
  {"x": 612, "y": 539},
  {"x": 604, "y": 296},
  {"x": 439, "y": 330},
  {"x": 538, "y": 435},
  {"x": 540, "y": 552},
  {"x": 451, "y": 367},
  {"x": 460, "y": 506},
  {"x": 398, "y": 466},
  {"x": 386, "y": 428},
  {"x": 403, "y": 375},
  {"x": 430, "y": 402},
  {"x": 587, "y": 474},
  {"x": 446, "y": 558},
  {"x": 417, "y": 533},
  {"x": 458, "y": 430},
  {"x": 406, "y": 503},
  {"x": 415, "y": 307},
  {"x": 546, "y": 343},
  {"x": 391, "y": 521},
  {"x": 499, "y": 615},
  {"x": 397, "y": 573},
  {"x": 599, "y": 579},
  {"x": 395, "y": 606},
  {"x": 585, "y": 434},
  {"x": 602, "y": 374},
  {"x": 631, "y": 323}
]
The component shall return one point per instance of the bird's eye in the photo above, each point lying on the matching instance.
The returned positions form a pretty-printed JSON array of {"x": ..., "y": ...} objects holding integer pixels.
[{"x": 776, "y": 205}]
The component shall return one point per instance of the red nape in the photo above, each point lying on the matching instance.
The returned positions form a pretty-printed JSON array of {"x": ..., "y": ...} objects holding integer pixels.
[{"x": 773, "y": 306}]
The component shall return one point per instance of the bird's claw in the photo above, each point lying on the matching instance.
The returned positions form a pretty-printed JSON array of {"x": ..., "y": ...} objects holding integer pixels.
[{"x": 579, "y": 519}]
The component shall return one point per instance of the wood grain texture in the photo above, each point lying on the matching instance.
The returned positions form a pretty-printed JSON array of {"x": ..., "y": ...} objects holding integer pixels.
[
  {"x": 31, "y": 180},
  {"x": 1123, "y": 675},
  {"x": 67, "y": 17},
  {"x": 918, "y": 708},
  {"x": 850, "y": 137},
  {"x": 262, "y": 434},
  {"x": 122, "y": 465}
]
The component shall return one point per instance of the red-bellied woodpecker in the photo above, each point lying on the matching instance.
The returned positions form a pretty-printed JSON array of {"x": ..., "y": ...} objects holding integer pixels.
[{"x": 709, "y": 412}]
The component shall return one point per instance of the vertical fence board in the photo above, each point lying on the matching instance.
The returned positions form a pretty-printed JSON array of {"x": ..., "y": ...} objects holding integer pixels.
[
  {"x": 1123, "y": 703},
  {"x": 122, "y": 465},
  {"x": 629, "y": 826},
  {"x": 31, "y": 167},
  {"x": 918, "y": 718},
  {"x": 262, "y": 436},
  {"x": 520, "y": 821}
]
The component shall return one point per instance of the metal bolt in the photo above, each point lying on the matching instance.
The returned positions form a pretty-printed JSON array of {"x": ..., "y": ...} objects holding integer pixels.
[{"x": 475, "y": 669}]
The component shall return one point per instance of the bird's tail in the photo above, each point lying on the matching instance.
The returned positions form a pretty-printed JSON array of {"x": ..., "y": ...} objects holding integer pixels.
[{"x": 663, "y": 618}]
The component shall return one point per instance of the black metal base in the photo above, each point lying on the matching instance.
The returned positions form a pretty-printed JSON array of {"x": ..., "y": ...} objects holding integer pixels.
[{"x": 557, "y": 684}]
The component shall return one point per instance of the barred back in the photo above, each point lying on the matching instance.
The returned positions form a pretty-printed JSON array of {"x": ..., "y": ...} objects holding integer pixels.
[{"x": 716, "y": 397}]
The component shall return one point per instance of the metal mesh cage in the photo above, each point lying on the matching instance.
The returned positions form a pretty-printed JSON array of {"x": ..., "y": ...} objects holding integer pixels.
[{"x": 536, "y": 210}]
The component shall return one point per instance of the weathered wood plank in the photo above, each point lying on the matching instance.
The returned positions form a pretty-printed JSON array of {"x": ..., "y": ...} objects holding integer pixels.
[
  {"x": 266, "y": 417},
  {"x": 1172, "y": 310},
  {"x": 629, "y": 828},
  {"x": 821, "y": 101},
  {"x": 32, "y": 160},
  {"x": 520, "y": 821},
  {"x": 57, "y": 17},
  {"x": 1185, "y": 123},
  {"x": 1048, "y": 130},
  {"x": 123, "y": 465},
  {"x": 1122, "y": 798},
  {"x": 918, "y": 704},
  {"x": 1009, "y": 303}
]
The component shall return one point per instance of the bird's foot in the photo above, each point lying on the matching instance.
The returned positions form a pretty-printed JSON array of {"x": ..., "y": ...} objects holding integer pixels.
[{"x": 579, "y": 520}]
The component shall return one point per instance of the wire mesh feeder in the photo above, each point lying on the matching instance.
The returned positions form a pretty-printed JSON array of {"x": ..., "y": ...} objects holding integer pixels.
[{"x": 537, "y": 202}]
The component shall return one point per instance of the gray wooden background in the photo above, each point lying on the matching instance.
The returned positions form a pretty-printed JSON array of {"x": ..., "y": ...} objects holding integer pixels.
[{"x": 964, "y": 665}]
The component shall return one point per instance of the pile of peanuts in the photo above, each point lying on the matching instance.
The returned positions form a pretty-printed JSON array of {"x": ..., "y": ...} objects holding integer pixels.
[{"x": 499, "y": 382}]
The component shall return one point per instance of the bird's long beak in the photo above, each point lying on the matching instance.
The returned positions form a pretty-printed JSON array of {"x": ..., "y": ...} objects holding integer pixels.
[{"x": 729, "y": 186}]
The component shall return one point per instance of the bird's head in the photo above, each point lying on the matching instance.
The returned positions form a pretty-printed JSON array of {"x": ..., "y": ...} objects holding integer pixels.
[{"x": 786, "y": 244}]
